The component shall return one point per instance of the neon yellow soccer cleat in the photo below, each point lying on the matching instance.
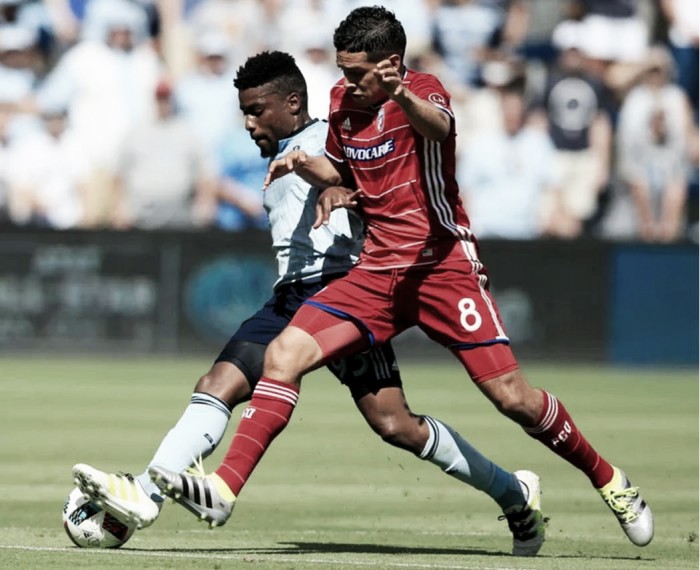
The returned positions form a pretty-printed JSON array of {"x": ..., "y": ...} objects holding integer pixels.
[
  {"x": 527, "y": 522},
  {"x": 630, "y": 509},
  {"x": 119, "y": 494}
]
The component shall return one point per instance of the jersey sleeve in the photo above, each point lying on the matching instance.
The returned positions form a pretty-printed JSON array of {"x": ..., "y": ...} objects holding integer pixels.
[
  {"x": 334, "y": 148},
  {"x": 429, "y": 88}
]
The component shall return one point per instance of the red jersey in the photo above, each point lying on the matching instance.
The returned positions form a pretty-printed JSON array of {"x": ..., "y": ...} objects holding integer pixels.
[{"x": 410, "y": 198}]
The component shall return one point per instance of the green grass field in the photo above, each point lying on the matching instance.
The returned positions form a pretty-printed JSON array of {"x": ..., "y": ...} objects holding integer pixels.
[{"x": 330, "y": 494}]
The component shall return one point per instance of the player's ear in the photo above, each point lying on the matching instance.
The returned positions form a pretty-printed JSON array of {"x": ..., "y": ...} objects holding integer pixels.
[
  {"x": 396, "y": 60},
  {"x": 294, "y": 102}
]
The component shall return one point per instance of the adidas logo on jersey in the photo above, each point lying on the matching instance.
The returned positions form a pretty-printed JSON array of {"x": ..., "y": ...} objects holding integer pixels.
[{"x": 346, "y": 124}]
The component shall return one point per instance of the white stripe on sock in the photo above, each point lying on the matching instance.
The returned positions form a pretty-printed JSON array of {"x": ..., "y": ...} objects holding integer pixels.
[
  {"x": 277, "y": 392},
  {"x": 549, "y": 417}
]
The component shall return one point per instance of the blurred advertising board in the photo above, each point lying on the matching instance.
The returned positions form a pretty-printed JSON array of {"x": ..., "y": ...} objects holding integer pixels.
[{"x": 187, "y": 292}]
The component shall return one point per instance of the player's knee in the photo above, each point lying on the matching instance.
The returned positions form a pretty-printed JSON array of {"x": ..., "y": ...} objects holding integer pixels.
[
  {"x": 398, "y": 432},
  {"x": 389, "y": 429},
  {"x": 231, "y": 387},
  {"x": 512, "y": 396},
  {"x": 291, "y": 354}
]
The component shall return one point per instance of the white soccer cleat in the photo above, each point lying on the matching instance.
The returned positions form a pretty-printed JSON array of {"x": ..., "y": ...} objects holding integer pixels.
[
  {"x": 206, "y": 496},
  {"x": 119, "y": 494},
  {"x": 526, "y": 522},
  {"x": 632, "y": 512}
]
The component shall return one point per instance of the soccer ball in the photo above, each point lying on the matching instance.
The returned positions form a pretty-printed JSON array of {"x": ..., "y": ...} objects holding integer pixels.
[{"x": 90, "y": 526}]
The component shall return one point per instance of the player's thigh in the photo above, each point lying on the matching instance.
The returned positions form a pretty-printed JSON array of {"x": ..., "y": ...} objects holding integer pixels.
[
  {"x": 457, "y": 311},
  {"x": 364, "y": 298},
  {"x": 246, "y": 348},
  {"x": 314, "y": 337}
]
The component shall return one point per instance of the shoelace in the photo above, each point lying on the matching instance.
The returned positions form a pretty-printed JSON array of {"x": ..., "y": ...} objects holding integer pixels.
[
  {"x": 621, "y": 503},
  {"x": 519, "y": 522},
  {"x": 197, "y": 468},
  {"x": 523, "y": 523}
]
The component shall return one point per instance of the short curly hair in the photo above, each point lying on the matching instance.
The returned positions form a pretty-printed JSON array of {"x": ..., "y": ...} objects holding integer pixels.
[
  {"x": 272, "y": 67},
  {"x": 371, "y": 29}
]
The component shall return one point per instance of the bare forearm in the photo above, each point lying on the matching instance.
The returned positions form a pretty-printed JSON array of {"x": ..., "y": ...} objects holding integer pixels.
[
  {"x": 319, "y": 171},
  {"x": 316, "y": 170}
]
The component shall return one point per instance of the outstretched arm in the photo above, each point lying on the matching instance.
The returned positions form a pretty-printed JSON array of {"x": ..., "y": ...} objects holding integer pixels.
[{"x": 316, "y": 170}]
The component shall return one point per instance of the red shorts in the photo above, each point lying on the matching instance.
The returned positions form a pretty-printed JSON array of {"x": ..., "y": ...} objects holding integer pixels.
[{"x": 449, "y": 302}]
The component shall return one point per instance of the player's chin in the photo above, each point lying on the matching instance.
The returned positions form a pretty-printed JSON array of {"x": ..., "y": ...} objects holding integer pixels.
[{"x": 265, "y": 147}]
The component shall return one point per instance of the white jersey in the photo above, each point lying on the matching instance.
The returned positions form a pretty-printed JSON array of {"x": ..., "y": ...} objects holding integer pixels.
[{"x": 304, "y": 253}]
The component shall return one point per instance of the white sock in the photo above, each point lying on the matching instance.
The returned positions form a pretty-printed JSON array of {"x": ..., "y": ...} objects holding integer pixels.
[
  {"x": 456, "y": 457},
  {"x": 197, "y": 433}
]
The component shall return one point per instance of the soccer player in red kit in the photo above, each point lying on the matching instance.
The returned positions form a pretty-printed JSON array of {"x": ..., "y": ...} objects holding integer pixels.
[{"x": 391, "y": 151}]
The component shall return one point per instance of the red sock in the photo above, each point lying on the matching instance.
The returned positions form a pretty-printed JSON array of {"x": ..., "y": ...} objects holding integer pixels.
[
  {"x": 268, "y": 413},
  {"x": 557, "y": 431}
]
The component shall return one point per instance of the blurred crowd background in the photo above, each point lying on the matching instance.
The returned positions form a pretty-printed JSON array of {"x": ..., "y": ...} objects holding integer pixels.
[{"x": 575, "y": 118}]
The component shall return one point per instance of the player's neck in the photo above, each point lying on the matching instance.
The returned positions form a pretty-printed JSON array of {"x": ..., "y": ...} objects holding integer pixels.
[{"x": 304, "y": 122}]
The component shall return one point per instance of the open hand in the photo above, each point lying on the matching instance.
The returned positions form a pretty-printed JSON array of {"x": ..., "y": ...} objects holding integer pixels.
[
  {"x": 283, "y": 166},
  {"x": 332, "y": 198}
]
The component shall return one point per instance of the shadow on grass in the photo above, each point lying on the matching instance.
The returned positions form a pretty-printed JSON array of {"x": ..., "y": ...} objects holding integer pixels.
[{"x": 303, "y": 548}]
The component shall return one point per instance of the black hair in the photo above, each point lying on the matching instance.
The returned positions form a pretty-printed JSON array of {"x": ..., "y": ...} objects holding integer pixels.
[
  {"x": 371, "y": 29},
  {"x": 274, "y": 67}
]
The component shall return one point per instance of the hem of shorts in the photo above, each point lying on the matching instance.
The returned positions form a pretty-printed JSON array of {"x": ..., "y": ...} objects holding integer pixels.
[{"x": 495, "y": 373}]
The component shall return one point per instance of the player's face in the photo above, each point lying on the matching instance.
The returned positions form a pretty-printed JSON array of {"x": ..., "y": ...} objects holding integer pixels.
[
  {"x": 269, "y": 116},
  {"x": 359, "y": 80}
]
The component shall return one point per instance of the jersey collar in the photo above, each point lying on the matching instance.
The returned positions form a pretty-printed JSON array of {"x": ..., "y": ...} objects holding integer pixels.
[{"x": 282, "y": 145}]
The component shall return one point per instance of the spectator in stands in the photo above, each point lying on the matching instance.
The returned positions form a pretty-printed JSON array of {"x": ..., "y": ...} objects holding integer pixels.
[
  {"x": 307, "y": 22},
  {"x": 251, "y": 25},
  {"x": 575, "y": 104},
  {"x": 205, "y": 96},
  {"x": 505, "y": 175},
  {"x": 240, "y": 204},
  {"x": 65, "y": 27},
  {"x": 464, "y": 32},
  {"x": 316, "y": 60},
  {"x": 683, "y": 17},
  {"x": 165, "y": 180},
  {"x": 5, "y": 116},
  {"x": 613, "y": 37},
  {"x": 30, "y": 15},
  {"x": 19, "y": 67},
  {"x": 46, "y": 175},
  {"x": 479, "y": 111},
  {"x": 654, "y": 142},
  {"x": 90, "y": 19},
  {"x": 108, "y": 84},
  {"x": 68, "y": 21}
]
